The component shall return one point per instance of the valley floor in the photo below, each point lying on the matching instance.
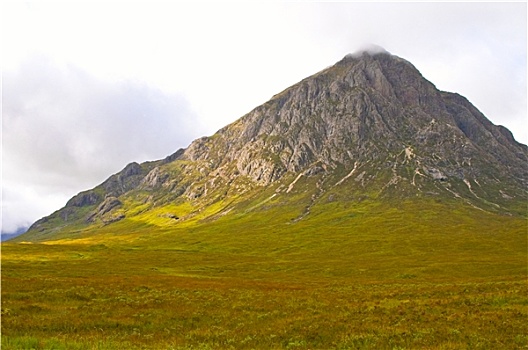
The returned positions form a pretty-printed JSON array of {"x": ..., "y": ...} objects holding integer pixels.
[
  {"x": 182, "y": 313},
  {"x": 50, "y": 300}
]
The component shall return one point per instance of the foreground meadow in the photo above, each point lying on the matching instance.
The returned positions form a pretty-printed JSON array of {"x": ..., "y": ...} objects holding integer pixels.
[{"x": 234, "y": 285}]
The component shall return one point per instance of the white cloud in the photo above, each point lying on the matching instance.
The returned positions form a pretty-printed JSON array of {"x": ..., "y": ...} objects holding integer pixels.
[{"x": 21, "y": 203}]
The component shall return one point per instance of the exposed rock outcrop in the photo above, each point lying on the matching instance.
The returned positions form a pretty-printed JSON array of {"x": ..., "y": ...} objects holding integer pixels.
[{"x": 103, "y": 209}]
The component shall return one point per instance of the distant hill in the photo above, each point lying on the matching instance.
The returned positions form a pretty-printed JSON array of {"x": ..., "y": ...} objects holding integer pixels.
[{"x": 5, "y": 236}]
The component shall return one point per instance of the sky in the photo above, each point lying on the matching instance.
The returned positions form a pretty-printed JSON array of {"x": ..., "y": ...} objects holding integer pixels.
[{"x": 88, "y": 87}]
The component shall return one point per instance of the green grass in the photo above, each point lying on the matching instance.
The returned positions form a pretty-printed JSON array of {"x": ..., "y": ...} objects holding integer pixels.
[{"x": 351, "y": 275}]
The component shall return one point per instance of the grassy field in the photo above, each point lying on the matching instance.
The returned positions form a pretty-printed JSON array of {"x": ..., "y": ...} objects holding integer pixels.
[{"x": 413, "y": 276}]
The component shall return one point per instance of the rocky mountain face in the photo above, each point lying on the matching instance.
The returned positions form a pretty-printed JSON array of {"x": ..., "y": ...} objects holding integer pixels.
[{"x": 368, "y": 127}]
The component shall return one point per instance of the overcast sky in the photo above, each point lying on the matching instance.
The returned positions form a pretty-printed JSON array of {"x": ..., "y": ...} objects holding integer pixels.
[{"x": 89, "y": 87}]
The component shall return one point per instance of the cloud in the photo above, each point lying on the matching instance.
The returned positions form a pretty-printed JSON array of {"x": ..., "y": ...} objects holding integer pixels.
[
  {"x": 65, "y": 131},
  {"x": 23, "y": 202}
]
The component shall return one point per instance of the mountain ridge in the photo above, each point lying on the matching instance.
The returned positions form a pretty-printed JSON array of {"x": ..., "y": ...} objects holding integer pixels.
[{"x": 370, "y": 126}]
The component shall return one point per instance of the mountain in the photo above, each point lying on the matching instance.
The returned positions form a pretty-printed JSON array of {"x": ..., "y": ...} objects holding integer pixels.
[{"x": 368, "y": 131}]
